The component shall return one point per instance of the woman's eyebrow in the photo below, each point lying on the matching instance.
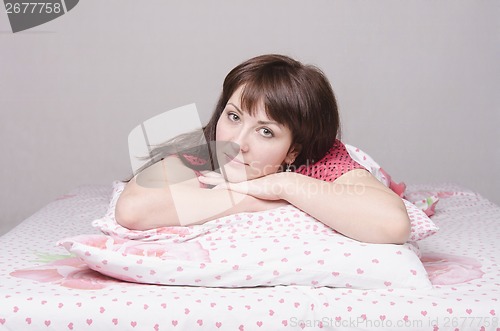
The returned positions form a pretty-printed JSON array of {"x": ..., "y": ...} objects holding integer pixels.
[
  {"x": 260, "y": 122},
  {"x": 232, "y": 104},
  {"x": 269, "y": 122}
]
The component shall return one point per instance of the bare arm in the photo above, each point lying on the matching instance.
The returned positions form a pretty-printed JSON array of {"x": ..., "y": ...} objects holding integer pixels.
[
  {"x": 169, "y": 194},
  {"x": 356, "y": 204}
]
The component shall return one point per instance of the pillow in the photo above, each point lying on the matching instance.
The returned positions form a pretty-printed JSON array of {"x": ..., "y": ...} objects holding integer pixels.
[
  {"x": 421, "y": 225},
  {"x": 427, "y": 205},
  {"x": 418, "y": 211},
  {"x": 368, "y": 163},
  {"x": 377, "y": 171},
  {"x": 283, "y": 246}
]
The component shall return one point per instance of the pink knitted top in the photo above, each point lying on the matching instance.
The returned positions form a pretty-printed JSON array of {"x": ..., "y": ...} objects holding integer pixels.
[{"x": 334, "y": 164}]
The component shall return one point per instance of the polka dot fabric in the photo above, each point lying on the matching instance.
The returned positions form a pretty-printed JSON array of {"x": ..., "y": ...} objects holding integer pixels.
[
  {"x": 333, "y": 165},
  {"x": 42, "y": 288}
]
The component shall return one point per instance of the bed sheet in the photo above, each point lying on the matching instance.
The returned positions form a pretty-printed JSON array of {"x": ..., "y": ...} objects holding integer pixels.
[{"x": 42, "y": 287}]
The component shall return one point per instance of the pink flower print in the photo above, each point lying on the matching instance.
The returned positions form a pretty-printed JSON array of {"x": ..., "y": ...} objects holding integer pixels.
[
  {"x": 417, "y": 195},
  {"x": 427, "y": 205},
  {"x": 398, "y": 188},
  {"x": 147, "y": 249},
  {"x": 44, "y": 276},
  {"x": 85, "y": 279},
  {"x": 445, "y": 269},
  {"x": 186, "y": 251},
  {"x": 69, "y": 272},
  {"x": 174, "y": 230},
  {"x": 445, "y": 195},
  {"x": 99, "y": 241}
]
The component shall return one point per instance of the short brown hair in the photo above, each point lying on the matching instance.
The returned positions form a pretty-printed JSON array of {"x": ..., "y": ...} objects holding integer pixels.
[{"x": 298, "y": 96}]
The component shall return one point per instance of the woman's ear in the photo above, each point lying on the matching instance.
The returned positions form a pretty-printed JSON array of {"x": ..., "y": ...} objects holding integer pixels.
[{"x": 293, "y": 152}]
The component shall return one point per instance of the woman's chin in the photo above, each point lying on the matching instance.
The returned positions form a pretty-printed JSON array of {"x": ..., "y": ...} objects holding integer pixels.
[{"x": 235, "y": 175}]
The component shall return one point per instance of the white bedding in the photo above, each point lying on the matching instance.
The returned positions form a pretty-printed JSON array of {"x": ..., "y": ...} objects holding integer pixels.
[{"x": 42, "y": 288}]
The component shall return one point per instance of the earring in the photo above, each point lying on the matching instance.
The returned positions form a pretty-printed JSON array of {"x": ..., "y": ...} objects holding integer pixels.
[{"x": 288, "y": 167}]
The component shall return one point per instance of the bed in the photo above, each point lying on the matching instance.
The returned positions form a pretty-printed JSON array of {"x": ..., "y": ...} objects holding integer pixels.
[{"x": 44, "y": 287}]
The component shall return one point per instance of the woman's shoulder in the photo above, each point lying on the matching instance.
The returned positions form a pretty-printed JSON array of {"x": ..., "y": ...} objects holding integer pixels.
[
  {"x": 334, "y": 164},
  {"x": 338, "y": 148}
]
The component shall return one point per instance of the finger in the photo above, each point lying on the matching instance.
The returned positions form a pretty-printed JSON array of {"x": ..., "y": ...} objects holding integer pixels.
[
  {"x": 211, "y": 174},
  {"x": 210, "y": 180},
  {"x": 223, "y": 186}
]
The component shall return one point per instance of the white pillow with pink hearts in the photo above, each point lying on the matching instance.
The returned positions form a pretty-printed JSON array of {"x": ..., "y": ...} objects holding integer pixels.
[{"x": 283, "y": 246}]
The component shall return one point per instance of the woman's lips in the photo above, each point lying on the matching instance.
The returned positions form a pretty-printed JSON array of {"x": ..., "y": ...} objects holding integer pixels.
[{"x": 234, "y": 160}]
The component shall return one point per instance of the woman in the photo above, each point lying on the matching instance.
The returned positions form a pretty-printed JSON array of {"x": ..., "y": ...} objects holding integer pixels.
[{"x": 275, "y": 129}]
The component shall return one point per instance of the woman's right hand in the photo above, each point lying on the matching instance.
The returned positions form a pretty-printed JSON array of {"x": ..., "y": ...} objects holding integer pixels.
[{"x": 253, "y": 202}]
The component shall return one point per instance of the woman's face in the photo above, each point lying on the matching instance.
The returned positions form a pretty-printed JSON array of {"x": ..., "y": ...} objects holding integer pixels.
[{"x": 256, "y": 145}]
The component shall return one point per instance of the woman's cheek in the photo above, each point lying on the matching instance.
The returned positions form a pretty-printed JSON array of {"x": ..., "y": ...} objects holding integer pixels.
[{"x": 258, "y": 169}]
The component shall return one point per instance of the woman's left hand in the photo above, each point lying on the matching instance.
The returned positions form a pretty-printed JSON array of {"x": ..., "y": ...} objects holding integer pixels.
[{"x": 268, "y": 187}]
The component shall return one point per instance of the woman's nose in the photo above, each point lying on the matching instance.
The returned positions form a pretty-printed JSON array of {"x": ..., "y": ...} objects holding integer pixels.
[{"x": 242, "y": 140}]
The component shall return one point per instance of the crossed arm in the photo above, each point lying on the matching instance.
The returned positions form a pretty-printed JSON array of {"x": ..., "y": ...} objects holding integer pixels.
[{"x": 356, "y": 204}]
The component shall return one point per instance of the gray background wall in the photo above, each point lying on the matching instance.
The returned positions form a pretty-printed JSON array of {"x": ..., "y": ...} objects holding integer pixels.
[{"x": 417, "y": 84}]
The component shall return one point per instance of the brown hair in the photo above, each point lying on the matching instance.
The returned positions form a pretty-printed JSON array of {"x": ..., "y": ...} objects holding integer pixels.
[{"x": 296, "y": 95}]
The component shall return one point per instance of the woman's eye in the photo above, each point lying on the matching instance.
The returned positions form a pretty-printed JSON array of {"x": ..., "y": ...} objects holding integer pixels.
[
  {"x": 233, "y": 117},
  {"x": 266, "y": 132}
]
